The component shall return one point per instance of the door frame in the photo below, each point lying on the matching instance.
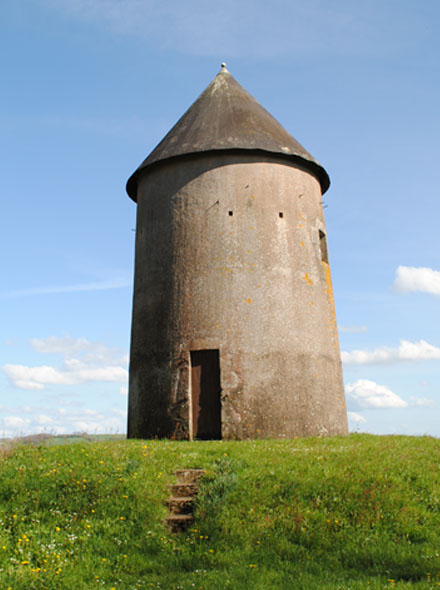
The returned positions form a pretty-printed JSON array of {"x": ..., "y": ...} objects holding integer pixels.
[{"x": 190, "y": 392}]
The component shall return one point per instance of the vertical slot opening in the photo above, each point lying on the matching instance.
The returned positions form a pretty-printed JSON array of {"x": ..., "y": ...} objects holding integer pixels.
[{"x": 323, "y": 246}]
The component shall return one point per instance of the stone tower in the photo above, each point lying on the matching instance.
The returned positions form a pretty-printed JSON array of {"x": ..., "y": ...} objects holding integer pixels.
[{"x": 234, "y": 330}]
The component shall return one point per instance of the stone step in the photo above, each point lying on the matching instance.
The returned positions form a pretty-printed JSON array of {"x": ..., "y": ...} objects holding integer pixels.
[
  {"x": 178, "y": 523},
  {"x": 182, "y": 505},
  {"x": 189, "y": 475},
  {"x": 180, "y": 490}
]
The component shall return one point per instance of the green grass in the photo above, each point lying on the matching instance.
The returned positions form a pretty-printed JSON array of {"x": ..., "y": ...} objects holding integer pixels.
[{"x": 330, "y": 514}]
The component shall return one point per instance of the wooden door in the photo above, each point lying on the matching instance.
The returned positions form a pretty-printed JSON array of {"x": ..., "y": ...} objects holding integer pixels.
[{"x": 205, "y": 394}]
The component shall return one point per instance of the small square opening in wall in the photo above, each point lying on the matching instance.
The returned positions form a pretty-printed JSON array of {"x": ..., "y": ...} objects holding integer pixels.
[
  {"x": 230, "y": 213},
  {"x": 323, "y": 246},
  {"x": 281, "y": 214}
]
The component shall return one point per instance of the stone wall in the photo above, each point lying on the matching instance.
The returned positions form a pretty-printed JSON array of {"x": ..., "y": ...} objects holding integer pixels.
[{"x": 231, "y": 256}]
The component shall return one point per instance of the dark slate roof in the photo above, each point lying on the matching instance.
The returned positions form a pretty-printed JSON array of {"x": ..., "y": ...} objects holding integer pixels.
[{"x": 227, "y": 117}]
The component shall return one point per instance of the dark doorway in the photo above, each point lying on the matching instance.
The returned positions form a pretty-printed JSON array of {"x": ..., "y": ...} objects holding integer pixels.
[{"x": 205, "y": 394}]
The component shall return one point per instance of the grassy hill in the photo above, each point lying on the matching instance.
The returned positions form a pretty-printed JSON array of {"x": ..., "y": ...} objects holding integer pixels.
[{"x": 328, "y": 514}]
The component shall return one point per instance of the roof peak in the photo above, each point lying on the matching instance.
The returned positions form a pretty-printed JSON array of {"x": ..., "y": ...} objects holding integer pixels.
[{"x": 226, "y": 117}]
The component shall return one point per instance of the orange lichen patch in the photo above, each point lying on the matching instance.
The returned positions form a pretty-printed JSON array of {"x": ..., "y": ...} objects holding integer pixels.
[
  {"x": 249, "y": 300},
  {"x": 300, "y": 224},
  {"x": 301, "y": 244},
  {"x": 307, "y": 278},
  {"x": 258, "y": 286},
  {"x": 331, "y": 301},
  {"x": 252, "y": 227},
  {"x": 252, "y": 196},
  {"x": 328, "y": 281},
  {"x": 230, "y": 258}
]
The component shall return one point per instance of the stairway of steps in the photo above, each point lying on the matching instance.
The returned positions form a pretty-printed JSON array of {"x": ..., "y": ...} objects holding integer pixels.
[{"x": 181, "y": 502}]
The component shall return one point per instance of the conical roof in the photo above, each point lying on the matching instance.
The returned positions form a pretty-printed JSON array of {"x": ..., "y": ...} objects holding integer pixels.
[{"x": 227, "y": 117}]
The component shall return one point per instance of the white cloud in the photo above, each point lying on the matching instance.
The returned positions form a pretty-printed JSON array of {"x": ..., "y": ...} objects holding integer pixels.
[
  {"x": 253, "y": 28},
  {"x": 43, "y": 420},
  {"x": 114, "y": 420},
  {"x": 123, "y": 390},
  {"x": 93, "y": 362},
  {"x": 352, "y": 329},
  {"x": 423, "y": 401},
  {"x": 365, "y": 357},
  {"x": 34, "y": 377},
  {"x": 365, "y": 394},
  {"x": 15, "y": 422},
  {"x": 73, "y": 373},
  {"x": 421, "y": 350},
  {"x": 411, "y": 278},
  {"x": 357, "y": 418},
  {"x": 89, "y": 412},
  {"x": 407, "y": 351},
  {"x": 19, "y": 421},
  {"x": 83, "y": 426},
  {"x": 79, "y": 372},
  {"x": 70, "y": 348},
  {"x": 58, "y": 289},
  {"x": 65, "y": 345}
]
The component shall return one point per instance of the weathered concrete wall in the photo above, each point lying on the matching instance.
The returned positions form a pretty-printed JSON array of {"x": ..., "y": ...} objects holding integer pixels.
[{"x": 251, "y": 284}]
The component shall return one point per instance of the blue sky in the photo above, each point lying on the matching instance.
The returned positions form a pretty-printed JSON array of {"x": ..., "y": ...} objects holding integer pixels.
[{"x": 89, "y": 87}]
